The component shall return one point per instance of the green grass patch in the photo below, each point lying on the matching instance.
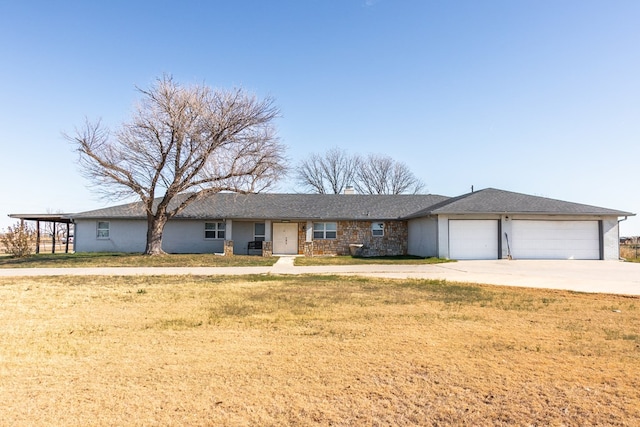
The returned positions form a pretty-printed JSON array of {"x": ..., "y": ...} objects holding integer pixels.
[
  {"x": 110, "y": 259},
  {"x": 350, "y": 260}
]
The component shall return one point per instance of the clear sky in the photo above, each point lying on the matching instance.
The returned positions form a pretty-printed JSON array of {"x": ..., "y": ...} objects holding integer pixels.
[{"x": 533, "y": 96}]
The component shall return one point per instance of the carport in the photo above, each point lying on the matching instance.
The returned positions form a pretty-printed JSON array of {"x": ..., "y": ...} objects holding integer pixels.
[{"x": 55, "y": 219}]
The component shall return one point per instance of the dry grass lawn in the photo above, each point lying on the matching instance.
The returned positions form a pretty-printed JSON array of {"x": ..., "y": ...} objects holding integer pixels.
[{"x": 307, "y": 350}]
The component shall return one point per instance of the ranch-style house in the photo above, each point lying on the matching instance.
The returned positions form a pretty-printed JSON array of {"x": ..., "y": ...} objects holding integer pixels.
[{"x": 485, "y": 224}]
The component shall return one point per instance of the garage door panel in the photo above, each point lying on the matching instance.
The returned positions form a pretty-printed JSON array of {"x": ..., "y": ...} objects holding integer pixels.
[
  {"x": 473, "y": 239},
  {"x": 555, "y": 239}
]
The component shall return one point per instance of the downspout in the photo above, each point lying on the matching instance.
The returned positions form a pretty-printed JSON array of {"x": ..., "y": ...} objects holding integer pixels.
[{"x": 619, "y": 221}]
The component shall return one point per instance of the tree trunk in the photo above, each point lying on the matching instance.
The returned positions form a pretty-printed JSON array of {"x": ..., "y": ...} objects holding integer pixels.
[{"x": 155, "y": 227}]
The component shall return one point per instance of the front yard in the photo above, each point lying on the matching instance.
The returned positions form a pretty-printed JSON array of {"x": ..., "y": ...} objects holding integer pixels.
[{"x": 313, "y": 350}]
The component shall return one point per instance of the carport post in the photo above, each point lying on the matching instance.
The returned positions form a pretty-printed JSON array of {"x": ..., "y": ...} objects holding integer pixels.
[
  {"x": 53, "y": 238},
  {"x": 66, "y": 243},
  {"x": 37, "y": 236}
]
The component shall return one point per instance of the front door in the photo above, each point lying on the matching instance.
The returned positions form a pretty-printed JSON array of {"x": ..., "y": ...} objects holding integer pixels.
[{"x": 285, "y": 238}]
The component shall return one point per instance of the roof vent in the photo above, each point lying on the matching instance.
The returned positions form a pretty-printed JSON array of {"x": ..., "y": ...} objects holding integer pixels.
[{"x": 349, "y": 190}]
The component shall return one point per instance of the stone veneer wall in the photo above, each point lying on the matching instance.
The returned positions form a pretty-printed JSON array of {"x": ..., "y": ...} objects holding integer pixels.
[
  {"x": 267, "y": 249},
  {"x": 394, "y": 242},
  {"x": 303, "y": 245},
  {"x": 228, "y": 247}
]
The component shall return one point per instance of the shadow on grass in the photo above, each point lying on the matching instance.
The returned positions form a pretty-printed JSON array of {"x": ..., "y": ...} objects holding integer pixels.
[
  {"x": 116, "y": 259},
  {"x": 80, "y": 257}
]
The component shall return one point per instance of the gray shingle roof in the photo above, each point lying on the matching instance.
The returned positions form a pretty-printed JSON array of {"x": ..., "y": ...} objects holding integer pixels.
[
  {"x": 491, "y": 200},
  {"x": 287, "y": 206},
  {"x": 359, "y": 206}
]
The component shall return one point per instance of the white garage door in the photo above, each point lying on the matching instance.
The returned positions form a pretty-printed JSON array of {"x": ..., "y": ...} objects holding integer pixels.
[
  {"x": 555, "y": 239},
  {"x": 473, "y": 239}
]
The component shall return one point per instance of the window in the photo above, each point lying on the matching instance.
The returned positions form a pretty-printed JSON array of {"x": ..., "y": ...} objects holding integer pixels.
[
  {"x": 214, "y": 230},
  {"x": 325, "y": 230},
  {"x": 102, "y": 230},
  {"x": 258, "y": 232},
  {"x": 377, "y": 229}
]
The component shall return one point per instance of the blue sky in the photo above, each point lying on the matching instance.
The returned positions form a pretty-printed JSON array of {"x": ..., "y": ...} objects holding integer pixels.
[{"x": 538, "y": 97}]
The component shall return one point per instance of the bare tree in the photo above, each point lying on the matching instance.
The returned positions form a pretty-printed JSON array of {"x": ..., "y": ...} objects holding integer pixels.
[
  {"x": 378, "y": 174},
  {"x": 330, "y": 173},
  {"x": 188, "y": 141}
]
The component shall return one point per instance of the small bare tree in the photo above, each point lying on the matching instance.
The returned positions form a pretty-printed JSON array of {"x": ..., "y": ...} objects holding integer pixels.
[
  {"x": 18, "y": 240},
  {"x": 330, "y": 173},
  {"x": 378, "y": 174},
  {"x": 188, "y": 141}
]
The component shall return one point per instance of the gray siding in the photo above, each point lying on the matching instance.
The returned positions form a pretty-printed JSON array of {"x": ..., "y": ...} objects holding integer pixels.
[
  {"x": 187, "y": 237},
  {"x": 242, "y": 235},
  {"x": 130, "y": 236},
  {"x": 423, "y": 237},
  {"x": 610, "y": 238},
  {"x": 125, "y": 235}
]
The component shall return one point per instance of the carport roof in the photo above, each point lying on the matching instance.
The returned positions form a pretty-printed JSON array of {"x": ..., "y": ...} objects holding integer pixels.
[
  {"x": 62, "y": 217},
  {"x": 496, "y": 201}
]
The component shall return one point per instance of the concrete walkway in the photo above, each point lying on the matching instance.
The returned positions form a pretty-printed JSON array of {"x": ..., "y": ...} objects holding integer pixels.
[{"x": 581, "y": 276}]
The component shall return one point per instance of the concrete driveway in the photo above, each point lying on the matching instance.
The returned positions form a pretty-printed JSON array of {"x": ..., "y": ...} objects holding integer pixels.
[{"x": 582, "y": 276}]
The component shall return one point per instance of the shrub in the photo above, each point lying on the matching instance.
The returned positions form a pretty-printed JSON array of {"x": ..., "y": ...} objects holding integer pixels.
[{"x": 18, "y": 240}]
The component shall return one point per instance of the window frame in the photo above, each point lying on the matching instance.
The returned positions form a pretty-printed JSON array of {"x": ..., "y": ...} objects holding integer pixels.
[
  {"x": 377, "y": 228},
  {"x": 322, "y": 232},
  {"x": 219, "y": 230},
  {"x": 100, "y": 231},
  {"x": 259, "y": 237}
]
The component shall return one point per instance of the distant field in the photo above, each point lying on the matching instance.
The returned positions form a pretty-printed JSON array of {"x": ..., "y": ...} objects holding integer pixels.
[
  {"x": 46, "y": 245},
  {"x": 313, "y": 350},
  {"x": 630, "y": 252}
]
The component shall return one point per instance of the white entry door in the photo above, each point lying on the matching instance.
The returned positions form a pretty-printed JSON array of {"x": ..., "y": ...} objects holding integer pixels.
[{"x": 285, "y": 238}]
